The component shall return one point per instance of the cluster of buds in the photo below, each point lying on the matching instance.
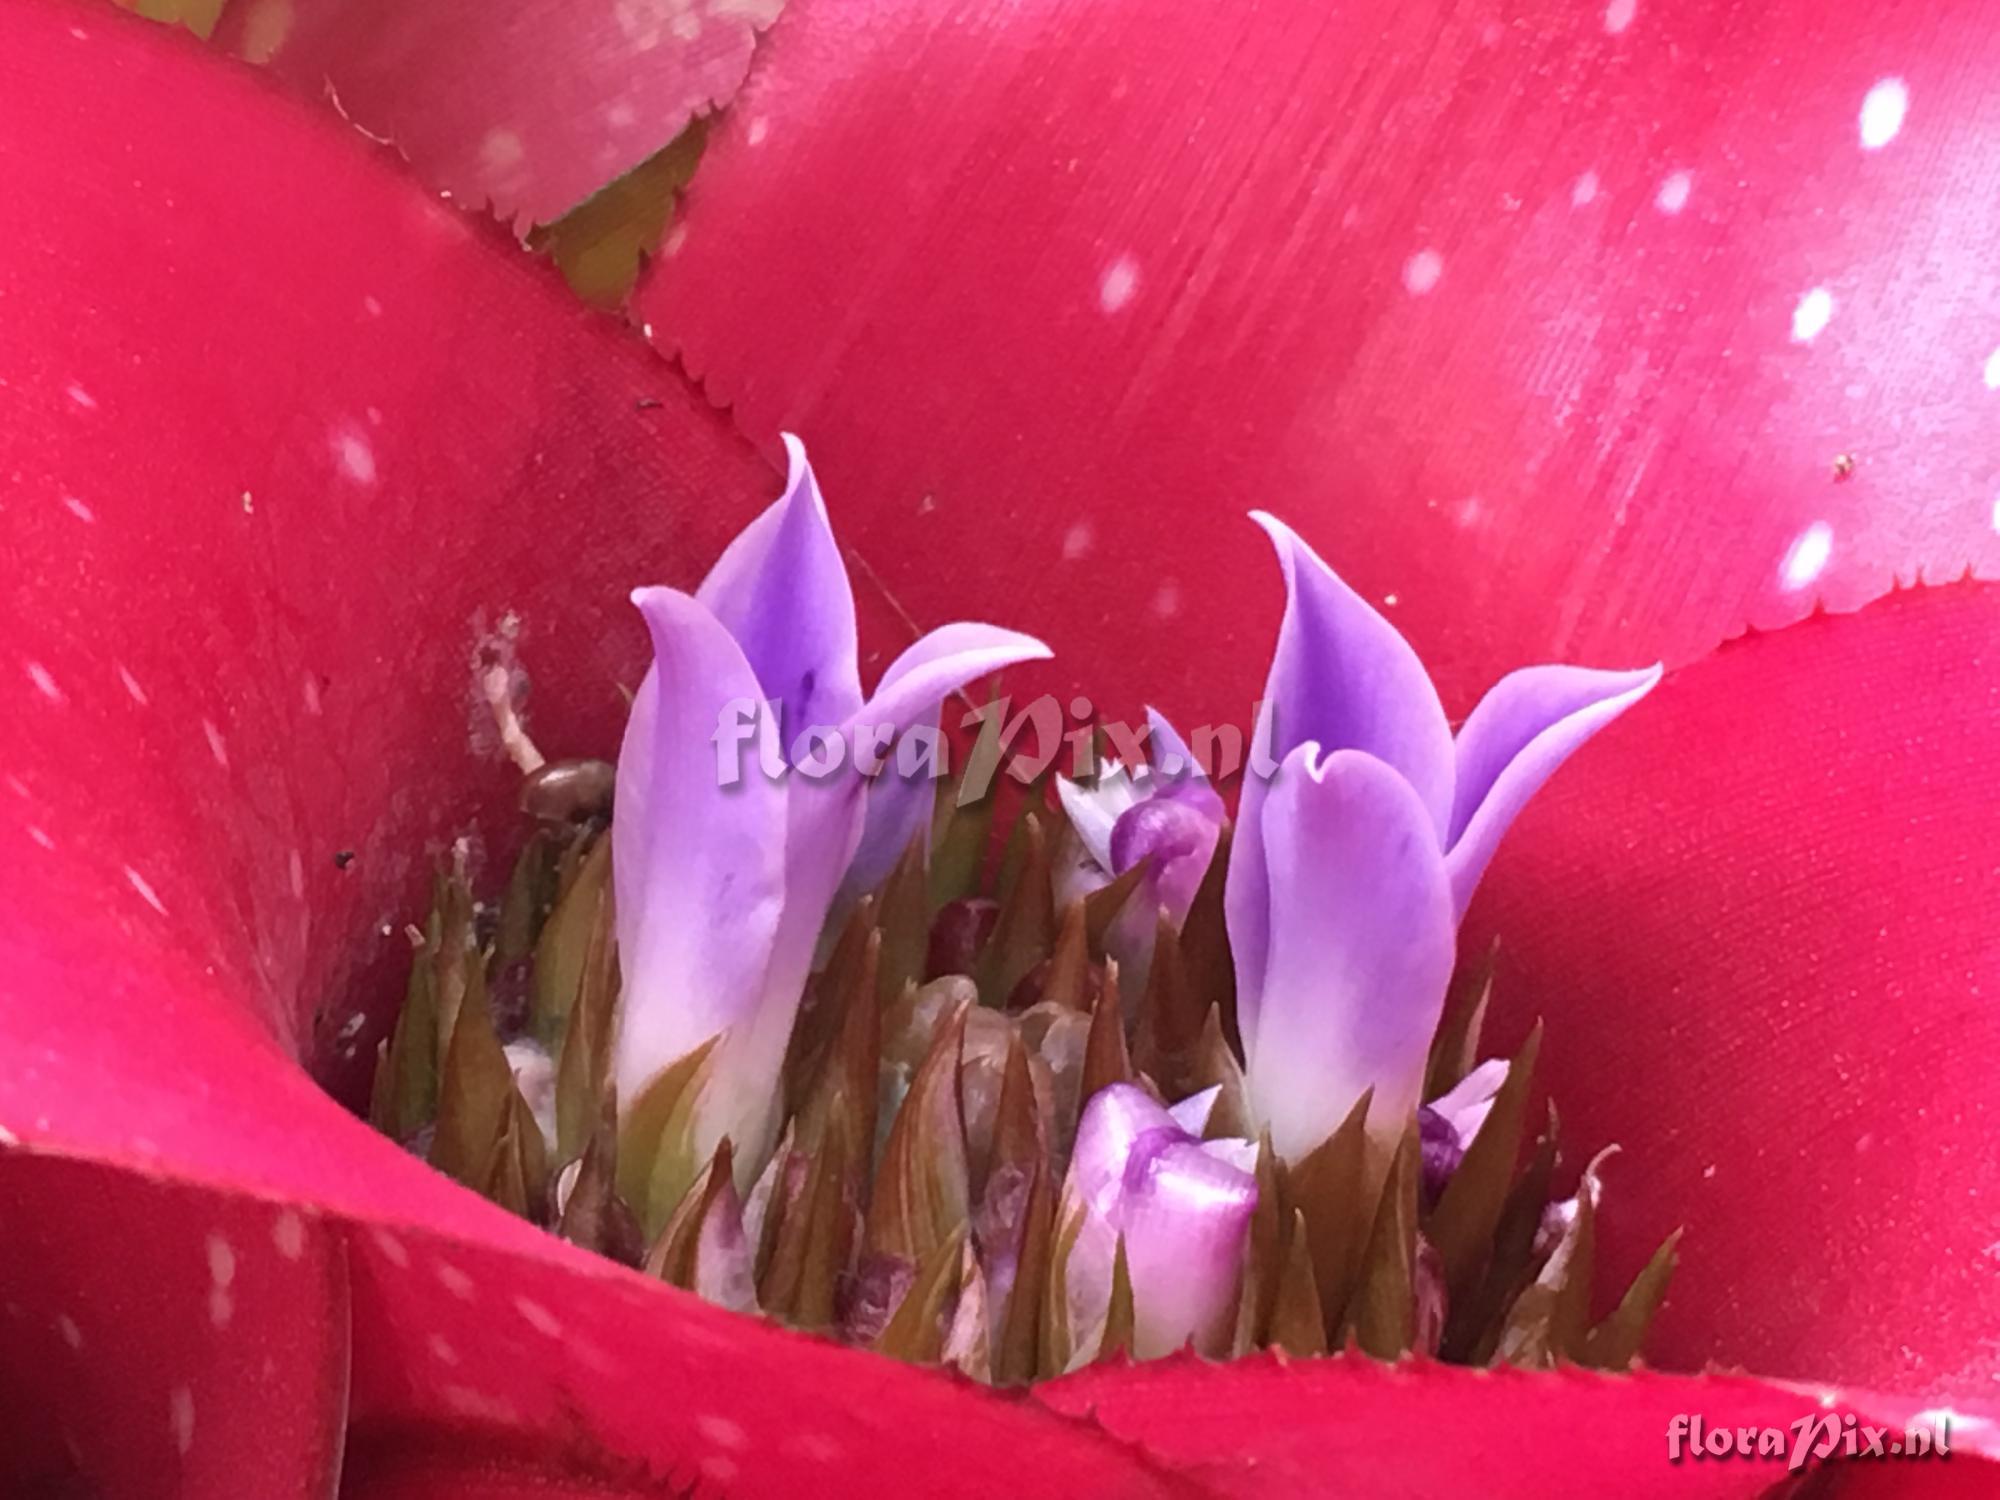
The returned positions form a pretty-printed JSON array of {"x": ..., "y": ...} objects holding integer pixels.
[{"x": 1146, "y": 1080}]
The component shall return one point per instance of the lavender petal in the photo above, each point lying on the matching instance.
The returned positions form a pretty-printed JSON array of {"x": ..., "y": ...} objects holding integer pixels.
[
  {"x": 1522, "y": 731},
  {"x": 1468, "y": 1102},
  {"x": 1176, "y": 773},
  {"x": 698, "y": 868},
  {"x": 1183, "y": 1209},
  {"x": 944, "y": 661},
  {"x": 1344, "y": 679},
  {"x": 1093, "y": 811},
  {"x": 1362, "y": 942},
  {"x": 1179, "y": 839},
  {"x": 780, "y": 588},
  {"x": 898, "y": 812}
]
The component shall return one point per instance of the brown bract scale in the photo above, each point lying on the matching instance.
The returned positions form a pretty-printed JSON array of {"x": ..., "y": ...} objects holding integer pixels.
[{"x": 916, "y": 1201}]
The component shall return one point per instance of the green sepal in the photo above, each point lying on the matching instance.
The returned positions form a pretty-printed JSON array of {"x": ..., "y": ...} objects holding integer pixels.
[
  {"x": 1105, "y": 1058},
  {"x": 961, "y": 825},
  {"x": 1383, "y": 1313},
  {"x": 1615, "y": 1343},
  {"x": 923, "y": 1184},
  {"x": 1330, "y": 1190},
  {"x": 1120, "y": 1318},
  {"x": 1298, "y": 1321},
  {"x": 583, "y": 1063},
  {"x": 1025, "y": 931},
  {"x": 476, "y": 1093},
  {"x": 916, "y": 1330},
  {"x": 582, "y": 911},
  {"x": 1018, "y": 1355},
  {"x": 657, "y": 1158},
  {"x": 1056, "y": 1344},
  {"x": 406, "y": 1077}
]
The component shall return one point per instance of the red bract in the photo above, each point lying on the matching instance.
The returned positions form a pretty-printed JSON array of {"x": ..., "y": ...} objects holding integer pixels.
[
  {"x": 295, "y": 450},
  {"x": 1514, "y": 309},
  {"x": 1758, "y": 922}
]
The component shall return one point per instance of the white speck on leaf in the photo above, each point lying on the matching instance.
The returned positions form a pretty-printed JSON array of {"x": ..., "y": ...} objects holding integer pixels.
[
  {"x": 180, "y": 1418},
  {"x": 1882, "y": 113},
  {"x": 722, "y": 1431},
  {"x": 221, "y": 1260},
  {"x": 470, "y": 1403},
  {"x": 1422, "y": 272},
  {"x": 1808, "y": 555},
  {"x": 392, "y": 1249},
  {"x": 538, "y": 1317},
  {"x": 1119, "y": 284},
  {"x": 146, "y": 892},
  {"x": 501, "y": 151},
  {"x": 816, "y": 1446},
  {"x": 357, "y": 459},
  {"x": 1674, "y": 193},
  {"x": 1810, "y": 317}
]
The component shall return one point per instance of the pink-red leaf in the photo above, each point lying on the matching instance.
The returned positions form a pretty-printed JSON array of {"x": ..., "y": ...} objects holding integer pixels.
[
  {"x": 529, "y": 106},
  {"x": 1513, "y": 309},
  {"x": 1757, "y": 919}
]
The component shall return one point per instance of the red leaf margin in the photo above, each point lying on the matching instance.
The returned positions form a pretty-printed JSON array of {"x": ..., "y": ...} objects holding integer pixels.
[{"x": 526, "y": 106}]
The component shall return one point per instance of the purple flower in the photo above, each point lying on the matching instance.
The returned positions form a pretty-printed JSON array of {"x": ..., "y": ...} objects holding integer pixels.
[
  {"x": 1466, "y": 1104},
  {"x": 1166, "y": 811},
  {"x": 724, "y": 872},
  {"x": 1351, "y": 868},
  {"x": 1183, "y": 1207}
]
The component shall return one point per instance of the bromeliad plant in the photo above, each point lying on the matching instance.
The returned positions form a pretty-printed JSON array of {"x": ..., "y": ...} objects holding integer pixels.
[{"x": 966, "y": 1135}]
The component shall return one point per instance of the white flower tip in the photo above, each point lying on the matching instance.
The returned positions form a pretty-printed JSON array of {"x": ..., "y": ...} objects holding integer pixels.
[
  {"x": 1023, "y": 647},
  {"x": 795, "y": 458},
  {"x": 1282, "y": 536},
  {"x": 1192, "y": 1113},
  {"x": 799, "y": 480}
]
